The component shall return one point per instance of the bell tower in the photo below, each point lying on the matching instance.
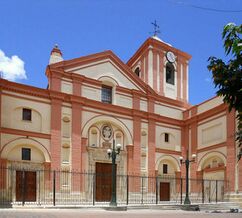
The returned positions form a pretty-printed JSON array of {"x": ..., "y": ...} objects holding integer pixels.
[{"x": 163, "y": 67}]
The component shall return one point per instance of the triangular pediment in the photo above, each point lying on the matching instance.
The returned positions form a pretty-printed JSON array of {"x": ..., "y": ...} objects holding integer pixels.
[{"x": 101, "y": 65}]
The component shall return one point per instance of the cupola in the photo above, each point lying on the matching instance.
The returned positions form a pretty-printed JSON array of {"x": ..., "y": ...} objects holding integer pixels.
[{"x": 55, "y": 55}]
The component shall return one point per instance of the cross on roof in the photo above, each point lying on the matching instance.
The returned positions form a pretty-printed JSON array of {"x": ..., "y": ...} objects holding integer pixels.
[{"x": 156, "y": 28}]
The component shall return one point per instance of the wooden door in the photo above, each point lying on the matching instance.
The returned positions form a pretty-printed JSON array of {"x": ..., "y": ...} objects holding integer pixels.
[
  {"x": 19, "y": 185},
  {"x": 25, "y": 186},
  {"x": 103, "y": 181},
  {"x": 164, "y": 191}
]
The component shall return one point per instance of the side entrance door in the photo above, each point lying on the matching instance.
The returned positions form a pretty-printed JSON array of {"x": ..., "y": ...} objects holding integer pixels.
[
  {"x": 164, "y": 191},
  {"x": 25, "y": 186},
  {"x": 103, "y": 181}
]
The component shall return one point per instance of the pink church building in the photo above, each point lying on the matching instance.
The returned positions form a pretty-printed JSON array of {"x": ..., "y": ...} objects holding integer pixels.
[{"x": 142, "y": 105}]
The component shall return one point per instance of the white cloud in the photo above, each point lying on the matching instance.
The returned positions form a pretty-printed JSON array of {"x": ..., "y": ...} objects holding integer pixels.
[{"x": 11, "y": 68}]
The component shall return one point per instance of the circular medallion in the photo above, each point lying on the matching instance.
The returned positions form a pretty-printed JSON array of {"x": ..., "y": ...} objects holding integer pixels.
[{"x": 107, "y": 132}]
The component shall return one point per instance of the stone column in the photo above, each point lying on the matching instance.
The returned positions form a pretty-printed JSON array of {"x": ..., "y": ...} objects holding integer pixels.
[
  {"x": 76, "y": 151},
  {"x": 179, "y": 80},
  {"x": 84, "y": 154},
  {"x": 185, "y": 141},
  {"x": 3, "y": 173},
  {"x": 161, "y": 72},
  {"x": 136, "y": 134},
  {"x": 151, "y": 144},
  {"x": 130, "y": 155},
  {"x": 155, "y": 53},
  {"x": 136, "y": 147},
  {"x": 76, "y": 148},
  {"x": 55, "y": 138},
  {"x": 47, "y": 176},
  {"x": 151, "y": 147},
  {"x": 185, "y": 82},
  {"x": 55, "y": 80},
  {"x": 193, "y": 165},
  {"x": 55, "y": 141},
  {"x": 178, "y": 181}
]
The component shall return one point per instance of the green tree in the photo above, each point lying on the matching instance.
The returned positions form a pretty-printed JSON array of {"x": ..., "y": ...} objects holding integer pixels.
[{"x": 227, "y": 77}]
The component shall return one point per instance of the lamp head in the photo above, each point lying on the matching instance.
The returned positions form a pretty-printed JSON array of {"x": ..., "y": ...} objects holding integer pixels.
[
  {"x": 118, "y": 146},
  {"x": 109, "y": 151},
  {"x": 194, "y": 156},
  {"x": 181, "y": 159}
]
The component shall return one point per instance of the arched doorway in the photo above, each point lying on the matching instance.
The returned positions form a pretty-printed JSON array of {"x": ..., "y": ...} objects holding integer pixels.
[
  {"x": 25, "y": 159},
  {"x": 167, "y": 168},
  {"x": 102, "y": 133},
  {"x": 212, "y": 169}
]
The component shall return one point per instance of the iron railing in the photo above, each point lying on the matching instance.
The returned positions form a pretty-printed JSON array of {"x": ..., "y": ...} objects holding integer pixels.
[{"x": 41, "y": 187}]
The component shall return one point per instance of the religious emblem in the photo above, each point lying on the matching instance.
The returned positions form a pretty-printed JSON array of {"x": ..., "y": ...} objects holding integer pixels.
[{"x": 107, "y": 132}]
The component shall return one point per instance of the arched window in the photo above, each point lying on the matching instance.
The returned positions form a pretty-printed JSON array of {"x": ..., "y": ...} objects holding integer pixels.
[
  {"x": 107, "y": 94},
  {"x": 108, "y": 89},
  {"x": 137, "y": 71},
  {"x": 170, "y": 74}
]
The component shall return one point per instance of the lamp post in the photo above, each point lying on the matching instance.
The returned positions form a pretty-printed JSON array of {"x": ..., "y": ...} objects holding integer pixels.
[
  {"x": 112, "y": 153},
  {"x": 187, "y": 163}
]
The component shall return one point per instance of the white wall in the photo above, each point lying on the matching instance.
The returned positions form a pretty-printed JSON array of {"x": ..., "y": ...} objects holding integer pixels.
[
  {"x": 13, "y": 106},
  {"x": 108, "y": 69},
  {"x": 16, "y": 154},
  {"x": 124, "y": 101},
  {"x": 212, "y": 132},
  {"x": 66, "y": 87},
  {"x": 174, "y": 136},
  {"x": 210, "y": 104},
  {"x": 91, "y": 93},
  {"x": 168, "y": 111}
]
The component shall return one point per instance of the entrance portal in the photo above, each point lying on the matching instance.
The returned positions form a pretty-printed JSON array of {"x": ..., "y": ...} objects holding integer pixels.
[
  {"x": 164, "y": 191},
  {"x": 103, "y": 181},
  {"x": 25, "y": 186}
]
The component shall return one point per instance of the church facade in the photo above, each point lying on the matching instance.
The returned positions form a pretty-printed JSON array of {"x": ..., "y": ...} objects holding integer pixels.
[{"x": 94, "y": 101}]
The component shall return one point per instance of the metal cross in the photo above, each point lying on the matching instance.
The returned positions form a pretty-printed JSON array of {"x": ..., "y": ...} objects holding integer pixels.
[{"x": 156, "y": 28}]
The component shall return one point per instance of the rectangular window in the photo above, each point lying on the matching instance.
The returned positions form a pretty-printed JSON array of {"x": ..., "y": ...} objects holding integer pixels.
[
  {"x": 27, "y": 114},
  {"x": 165, "y": 168},
  {"x": 107, "y": 94},
  {"x": 26, "y": 154},
  {"x": 166, "y": 137}
]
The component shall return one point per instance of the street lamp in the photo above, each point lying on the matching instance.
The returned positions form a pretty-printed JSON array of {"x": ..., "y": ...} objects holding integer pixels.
[
  {"x": 112, "y": 153},
  {"x": 187, "y": 163}
]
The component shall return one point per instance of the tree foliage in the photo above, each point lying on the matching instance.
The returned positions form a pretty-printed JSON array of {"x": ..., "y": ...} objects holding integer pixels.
[{"x": 227, "y": 77}]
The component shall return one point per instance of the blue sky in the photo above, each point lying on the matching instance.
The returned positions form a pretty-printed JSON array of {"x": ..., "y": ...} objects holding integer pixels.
[{"x": 30, "y": 28}]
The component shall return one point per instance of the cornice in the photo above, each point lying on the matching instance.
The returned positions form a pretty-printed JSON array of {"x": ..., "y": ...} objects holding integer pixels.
[
  {"x": 65, "y": 65},
  {"x": 166, "y": 151},
  {"x": 23, "y": 89},
  {"x": 212, "y": 147},
  {"x": 156, "y": 44},
  {"x": 207, "y": 114},
  {"x": 24, "y": 133},
  {"x": 54, "y": 95}
]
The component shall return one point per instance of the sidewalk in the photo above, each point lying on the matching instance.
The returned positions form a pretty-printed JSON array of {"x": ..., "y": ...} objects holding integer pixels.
[{"x": 97, "y": 212}]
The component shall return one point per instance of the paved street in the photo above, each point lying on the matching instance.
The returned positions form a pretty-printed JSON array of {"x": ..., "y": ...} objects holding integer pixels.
[{"x": 84, "y": 213}]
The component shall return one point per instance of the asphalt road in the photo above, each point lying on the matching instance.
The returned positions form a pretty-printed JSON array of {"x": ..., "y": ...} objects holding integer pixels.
[{"x": 91, "y": 213}]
